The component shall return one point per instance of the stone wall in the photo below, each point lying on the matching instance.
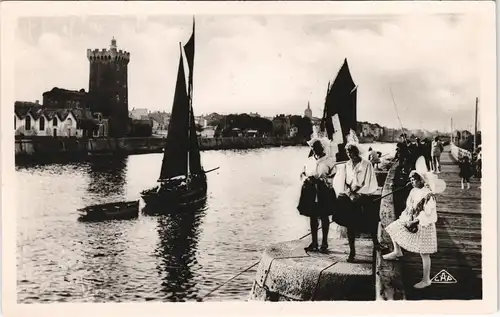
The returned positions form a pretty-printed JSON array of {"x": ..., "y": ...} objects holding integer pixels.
[
  {"x": 388, "y": 281},
  {"x": 50, "y": 147}
]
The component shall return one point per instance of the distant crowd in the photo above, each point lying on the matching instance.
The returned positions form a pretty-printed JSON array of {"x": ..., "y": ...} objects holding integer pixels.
[{"x": 408, "y": 152}]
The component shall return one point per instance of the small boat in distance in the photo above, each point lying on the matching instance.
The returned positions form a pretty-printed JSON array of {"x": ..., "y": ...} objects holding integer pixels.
[
  {"x": 182, "y": 179},
  {"x": 110, "y": 211}
]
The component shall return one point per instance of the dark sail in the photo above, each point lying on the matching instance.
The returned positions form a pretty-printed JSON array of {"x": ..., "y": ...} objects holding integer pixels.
[
  {"x": 341, "y": 100},
  {"x": 194, "y": 153},
  {"x": 189, "y": 50},
  {"x": 178, "y": 142}
]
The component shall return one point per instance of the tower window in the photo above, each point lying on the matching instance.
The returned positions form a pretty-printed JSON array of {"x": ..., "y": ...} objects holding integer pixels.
[
  {"x": 54, "y": 122},
  {"x": 15, "y": 121}
]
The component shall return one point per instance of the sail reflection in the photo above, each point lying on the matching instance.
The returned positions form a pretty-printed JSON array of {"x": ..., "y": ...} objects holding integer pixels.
[{"x": 178, "y": 240}]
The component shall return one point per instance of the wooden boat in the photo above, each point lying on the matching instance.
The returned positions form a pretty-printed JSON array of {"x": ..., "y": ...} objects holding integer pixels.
[
  {"x": 182, "y": 178},
  {"x": 110, "y": 211}
]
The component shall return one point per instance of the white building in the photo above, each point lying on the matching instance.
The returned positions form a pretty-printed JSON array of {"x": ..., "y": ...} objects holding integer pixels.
[
  {"x": 208, "y": 132},
  {"x": 32, "y": 119},
  {"x": 138, "y": 114},
  {"x": 46, "y": 124}
]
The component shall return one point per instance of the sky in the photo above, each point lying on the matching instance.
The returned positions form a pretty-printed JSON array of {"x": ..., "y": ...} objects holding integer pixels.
[{"x": 270, "y": 64}]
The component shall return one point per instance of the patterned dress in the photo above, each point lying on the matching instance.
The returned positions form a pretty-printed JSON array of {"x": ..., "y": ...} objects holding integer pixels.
[{"x": 425, "y": 239}]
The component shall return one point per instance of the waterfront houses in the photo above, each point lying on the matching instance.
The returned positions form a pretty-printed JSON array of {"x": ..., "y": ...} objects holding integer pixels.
[{"x": 33, "y": 119}]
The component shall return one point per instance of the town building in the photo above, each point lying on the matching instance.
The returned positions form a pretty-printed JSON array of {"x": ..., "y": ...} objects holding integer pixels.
[
  {"x": 33, "y": 119},
  {"x": 367, "y": 129},
  {"x": 208, "y": 132},
  {"x": 138, "y": 114},
  {"x": 58, "y": 98}
]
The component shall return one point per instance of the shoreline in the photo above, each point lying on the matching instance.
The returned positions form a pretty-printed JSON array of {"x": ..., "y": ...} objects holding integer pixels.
[{"x": 54, "y": 150}]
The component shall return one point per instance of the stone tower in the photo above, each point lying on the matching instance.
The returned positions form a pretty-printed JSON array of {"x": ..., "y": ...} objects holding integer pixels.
[
  {"x": 308, "y": 112},
  {"x": 108, "y": 89}
]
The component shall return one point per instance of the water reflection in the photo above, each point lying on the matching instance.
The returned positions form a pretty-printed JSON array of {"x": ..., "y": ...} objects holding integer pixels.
[
  {"x": 107, "y": 176},
  {"x": 177, "y": 246},
  {"x": 103, "y": 247}
]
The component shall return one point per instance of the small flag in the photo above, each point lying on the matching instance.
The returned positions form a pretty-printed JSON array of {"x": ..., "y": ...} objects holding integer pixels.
[{"x": 337, "y": 137}]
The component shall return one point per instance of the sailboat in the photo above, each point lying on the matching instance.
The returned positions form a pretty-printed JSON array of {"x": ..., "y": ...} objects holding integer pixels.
[
  {"x": 339, "y": 115},
  {"x": 182, "y": 179}
]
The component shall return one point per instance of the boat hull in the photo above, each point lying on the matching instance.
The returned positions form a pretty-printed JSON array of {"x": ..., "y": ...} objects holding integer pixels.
[
  {"x": 161, "y": 201},
  {"x": 112, "y": 211}
]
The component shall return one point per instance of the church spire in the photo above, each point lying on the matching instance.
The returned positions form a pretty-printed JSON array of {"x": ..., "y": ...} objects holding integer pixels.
[{"x": 113, "y": 44}]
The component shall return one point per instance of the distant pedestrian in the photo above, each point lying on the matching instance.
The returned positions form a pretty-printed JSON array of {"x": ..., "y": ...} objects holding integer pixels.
[
  {"x": 436, "y": 150},
  {"x": 465, "y": 171},
  {"x": 317, "y": 198},
  {"x": 479, "y": 159},
  {"x": 415, "y": 229},
  {"x": 426, "y": 151},
  {"x": 373, "y": 157}
]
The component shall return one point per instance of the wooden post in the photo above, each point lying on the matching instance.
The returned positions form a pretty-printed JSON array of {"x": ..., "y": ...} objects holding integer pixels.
[
  {"x": 451, "y": 132},
  {"x": 475, "y": 126}
]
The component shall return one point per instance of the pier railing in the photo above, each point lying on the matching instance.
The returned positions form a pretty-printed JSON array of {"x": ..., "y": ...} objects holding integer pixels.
[{"x": 457, "y": 152}]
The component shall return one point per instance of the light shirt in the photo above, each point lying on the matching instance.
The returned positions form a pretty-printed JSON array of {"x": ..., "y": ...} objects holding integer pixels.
[
  {"x": 361, "y": 175},
  {"x": 428, "y": 215},
  {"x": 322, "y": 167},
  {"x": 435, "y": 148},
  {"x": 373, "y": 157}
]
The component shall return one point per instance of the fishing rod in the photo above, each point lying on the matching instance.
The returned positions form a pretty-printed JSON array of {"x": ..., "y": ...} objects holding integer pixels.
[
  {"x": 397, "y": 113},
  {"x": 256, "y": 263},
  {"x": 213, "y": 169}
]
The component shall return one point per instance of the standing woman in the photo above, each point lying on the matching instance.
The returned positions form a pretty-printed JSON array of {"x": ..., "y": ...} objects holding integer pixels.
[
  {"x": 415, "y": 230},
  {"x": 436, "y": 150},
  {"x": 317, "y": 198},
  {"x": 355, "y": 208}
]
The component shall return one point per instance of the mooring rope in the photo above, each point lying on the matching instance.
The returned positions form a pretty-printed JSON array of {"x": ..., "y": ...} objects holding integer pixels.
[{"x": 256, "y": 263}]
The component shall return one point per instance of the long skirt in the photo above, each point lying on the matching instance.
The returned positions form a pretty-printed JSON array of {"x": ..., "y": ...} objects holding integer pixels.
[
  {"x": 361, "y": 215},
  {"x": 423, "y": 241},
  {"x": 316, "y": 199}
]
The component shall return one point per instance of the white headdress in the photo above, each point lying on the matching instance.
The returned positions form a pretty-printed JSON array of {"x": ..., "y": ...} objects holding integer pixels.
[
  {"x": 329, "y": 148},
  {"x": 430, "y": 179}
]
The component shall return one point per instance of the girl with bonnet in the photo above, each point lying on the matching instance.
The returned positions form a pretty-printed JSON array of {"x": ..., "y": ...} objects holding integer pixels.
[{"x": 415, "y": 229}]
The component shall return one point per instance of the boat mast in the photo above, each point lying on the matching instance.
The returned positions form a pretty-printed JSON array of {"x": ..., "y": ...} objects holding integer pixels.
[{"x": 189, "y": 117}]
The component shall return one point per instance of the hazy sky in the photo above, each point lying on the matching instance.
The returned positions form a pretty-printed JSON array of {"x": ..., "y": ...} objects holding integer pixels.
[{"x": 270, "y": 65}]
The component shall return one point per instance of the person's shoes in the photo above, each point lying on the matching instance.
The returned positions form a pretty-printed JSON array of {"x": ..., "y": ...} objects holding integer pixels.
[
  {"x": 313, "y": 247},
  {"x": 324, "y": 248},
  {"x": 392, "y": 256},
  {"x": 422, "y": 284},
  {"x": 351, "y": 257}
]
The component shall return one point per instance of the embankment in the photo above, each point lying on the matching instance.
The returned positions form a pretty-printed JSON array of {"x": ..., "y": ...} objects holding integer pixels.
[{"x": 50, "y": 148}]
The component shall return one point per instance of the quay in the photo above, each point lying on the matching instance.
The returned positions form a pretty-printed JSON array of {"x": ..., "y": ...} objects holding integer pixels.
[
  {"x": 287, "y": 273},
  {"x": 42, "y": 148},
  {"x": 459, "y": 245}
]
